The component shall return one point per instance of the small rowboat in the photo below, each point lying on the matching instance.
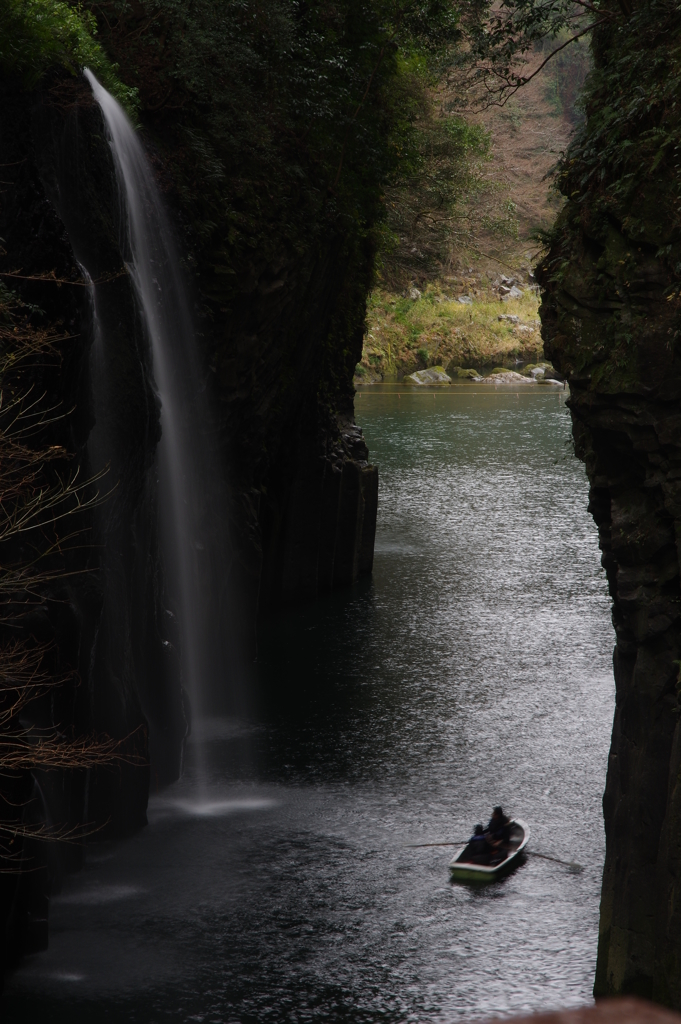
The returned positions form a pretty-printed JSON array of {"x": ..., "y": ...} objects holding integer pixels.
[{"x": 463, "y": 871}]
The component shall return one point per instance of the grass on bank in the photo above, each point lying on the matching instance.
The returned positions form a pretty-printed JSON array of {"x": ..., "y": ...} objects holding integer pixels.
[{"x": 405, "y": 334}]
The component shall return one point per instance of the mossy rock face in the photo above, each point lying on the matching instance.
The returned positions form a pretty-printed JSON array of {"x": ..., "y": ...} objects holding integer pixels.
[
  {"x": 366, "y": 376},
  {"x": 462, "y": 374},
  {"x": 611, "y": 323},
  {"x": 433, "y": 375},
  {"x": 537, "y": 366}
]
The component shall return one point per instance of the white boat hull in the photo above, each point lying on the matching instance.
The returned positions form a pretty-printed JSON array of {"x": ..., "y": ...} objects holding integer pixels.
[{"x": 462, "y": 871}]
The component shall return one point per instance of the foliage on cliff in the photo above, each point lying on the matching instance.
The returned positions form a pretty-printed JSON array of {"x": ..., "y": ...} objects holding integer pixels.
[
  {"x": 290, "y": 129},
  {"x": 617, "y": 245},
  {"x": 503, "y": 39},
  {"x": 283, "y": 118},
  {"x": 427, "y": 199},
  {"x": 629, "y": 150},
  {"x": 279, "y": 128},
  {"x": 37, "y": 36}
]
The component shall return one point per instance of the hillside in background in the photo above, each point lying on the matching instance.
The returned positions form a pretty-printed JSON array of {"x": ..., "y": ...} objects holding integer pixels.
[{"x": 415, "y": 317}]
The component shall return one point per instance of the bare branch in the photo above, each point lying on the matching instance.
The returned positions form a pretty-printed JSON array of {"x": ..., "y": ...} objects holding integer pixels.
[
  {"x": 572, "y": 39},
  {"x": 53, "y": 279},
  {"x": 48, "y": 750}
]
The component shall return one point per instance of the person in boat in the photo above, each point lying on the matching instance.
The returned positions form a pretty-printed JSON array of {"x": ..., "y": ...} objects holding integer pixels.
[
  {"x": 498, "y": 833},
  {"x": 478, "y": 850}
]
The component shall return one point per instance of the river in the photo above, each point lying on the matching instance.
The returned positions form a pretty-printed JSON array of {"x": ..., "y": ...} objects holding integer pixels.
[{"x": 473, "y": 668}]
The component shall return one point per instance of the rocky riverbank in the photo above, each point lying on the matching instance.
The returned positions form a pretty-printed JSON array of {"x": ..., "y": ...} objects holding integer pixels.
[
  {"x": 532, "y": 374},
  {"x": 471, "y": 321}
]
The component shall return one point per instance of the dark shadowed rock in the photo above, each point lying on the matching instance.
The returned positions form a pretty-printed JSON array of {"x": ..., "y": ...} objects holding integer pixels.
[
  {"x": 610, "y": 328},
  {"x": 606, "y": 1011},
  {"x": 302, "y": 496}
]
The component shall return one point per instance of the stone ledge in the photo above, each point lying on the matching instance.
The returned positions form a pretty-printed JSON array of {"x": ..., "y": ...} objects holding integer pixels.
[{"x": 606, "y": 1011}]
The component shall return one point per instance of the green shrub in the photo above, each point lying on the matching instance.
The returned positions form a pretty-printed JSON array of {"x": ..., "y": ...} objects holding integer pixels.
[{"x": 39, "y": 35}]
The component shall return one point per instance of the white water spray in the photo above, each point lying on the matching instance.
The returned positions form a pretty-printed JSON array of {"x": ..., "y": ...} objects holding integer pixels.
[{"x": 154, "y": 268}]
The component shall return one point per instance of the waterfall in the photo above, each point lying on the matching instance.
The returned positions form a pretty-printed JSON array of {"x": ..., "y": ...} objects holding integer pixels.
[{"x": 183, "y": 464}]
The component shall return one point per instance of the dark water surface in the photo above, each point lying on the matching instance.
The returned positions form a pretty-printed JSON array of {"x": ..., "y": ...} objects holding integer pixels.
[{"x": 473, "y": 668}]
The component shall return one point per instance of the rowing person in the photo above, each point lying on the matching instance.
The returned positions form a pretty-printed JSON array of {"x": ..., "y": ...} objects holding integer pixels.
[
  {"x": 498, "y": 832},
  {"x": 478, "y": 850}
]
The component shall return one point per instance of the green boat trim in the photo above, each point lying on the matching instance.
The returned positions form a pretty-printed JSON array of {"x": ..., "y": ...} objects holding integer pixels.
[{"x": 461, "y": 871}]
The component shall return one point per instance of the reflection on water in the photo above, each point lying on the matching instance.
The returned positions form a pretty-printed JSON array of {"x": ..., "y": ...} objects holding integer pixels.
[
  {"x": 205, "y": 805},
  {"x": 100, "y": 894},
  {"x": 473, "y": 668}
]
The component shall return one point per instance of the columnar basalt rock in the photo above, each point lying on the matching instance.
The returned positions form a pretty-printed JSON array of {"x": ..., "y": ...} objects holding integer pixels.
[
  {"x": 301, "y": 493},
  {"x": 325, "y": 538},
  {"x": 101, "y": 646},
  {"x": 611, "y": 321}
]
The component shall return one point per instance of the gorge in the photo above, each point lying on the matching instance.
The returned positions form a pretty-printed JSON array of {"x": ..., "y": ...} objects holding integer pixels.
[
  {"x": 390, "y": 713},
  {"x": 206, "y": 494}
]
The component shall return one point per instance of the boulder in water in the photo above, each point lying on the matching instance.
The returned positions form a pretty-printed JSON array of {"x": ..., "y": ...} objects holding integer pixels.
[
  {"x": 501, "y": 376},
  {"x": 462, "y": 374},
  {"x": 538, "y": 370},
  {"x": 433, "y": 375}
]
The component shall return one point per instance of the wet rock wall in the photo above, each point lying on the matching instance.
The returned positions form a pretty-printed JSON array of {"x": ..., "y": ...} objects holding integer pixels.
[
  {"x": 69, "y": 613},
  {"x": 280, "y": 363},
  {"x": 611, "y": 322},
  {"x": 610, "y": 325},
  {"x": 301, "y": 498}
]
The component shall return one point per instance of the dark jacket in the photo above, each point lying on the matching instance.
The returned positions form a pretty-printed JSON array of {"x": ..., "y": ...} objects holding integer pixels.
[{"x": 499, "y": 829}]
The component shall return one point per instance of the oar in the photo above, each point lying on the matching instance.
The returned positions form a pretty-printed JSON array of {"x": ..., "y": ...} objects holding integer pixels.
[
  {"x": 419, "y": 846},
  {"x": 571, "y": 865}
]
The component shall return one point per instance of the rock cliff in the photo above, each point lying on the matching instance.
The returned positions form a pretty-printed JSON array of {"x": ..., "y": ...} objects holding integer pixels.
[
  {"x": 611, "y": 315},
  {"x": 302, "y": 495},
  {"x": 272, "y": 132}
]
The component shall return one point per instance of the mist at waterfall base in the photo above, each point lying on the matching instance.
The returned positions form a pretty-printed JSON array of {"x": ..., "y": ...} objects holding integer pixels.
[
  {"x": 474, "y": 667},
  {"x": 191, "y": 491}
]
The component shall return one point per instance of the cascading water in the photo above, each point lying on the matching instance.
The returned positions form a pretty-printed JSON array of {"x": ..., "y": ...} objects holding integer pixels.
[{"x": 182, "y": 461}]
